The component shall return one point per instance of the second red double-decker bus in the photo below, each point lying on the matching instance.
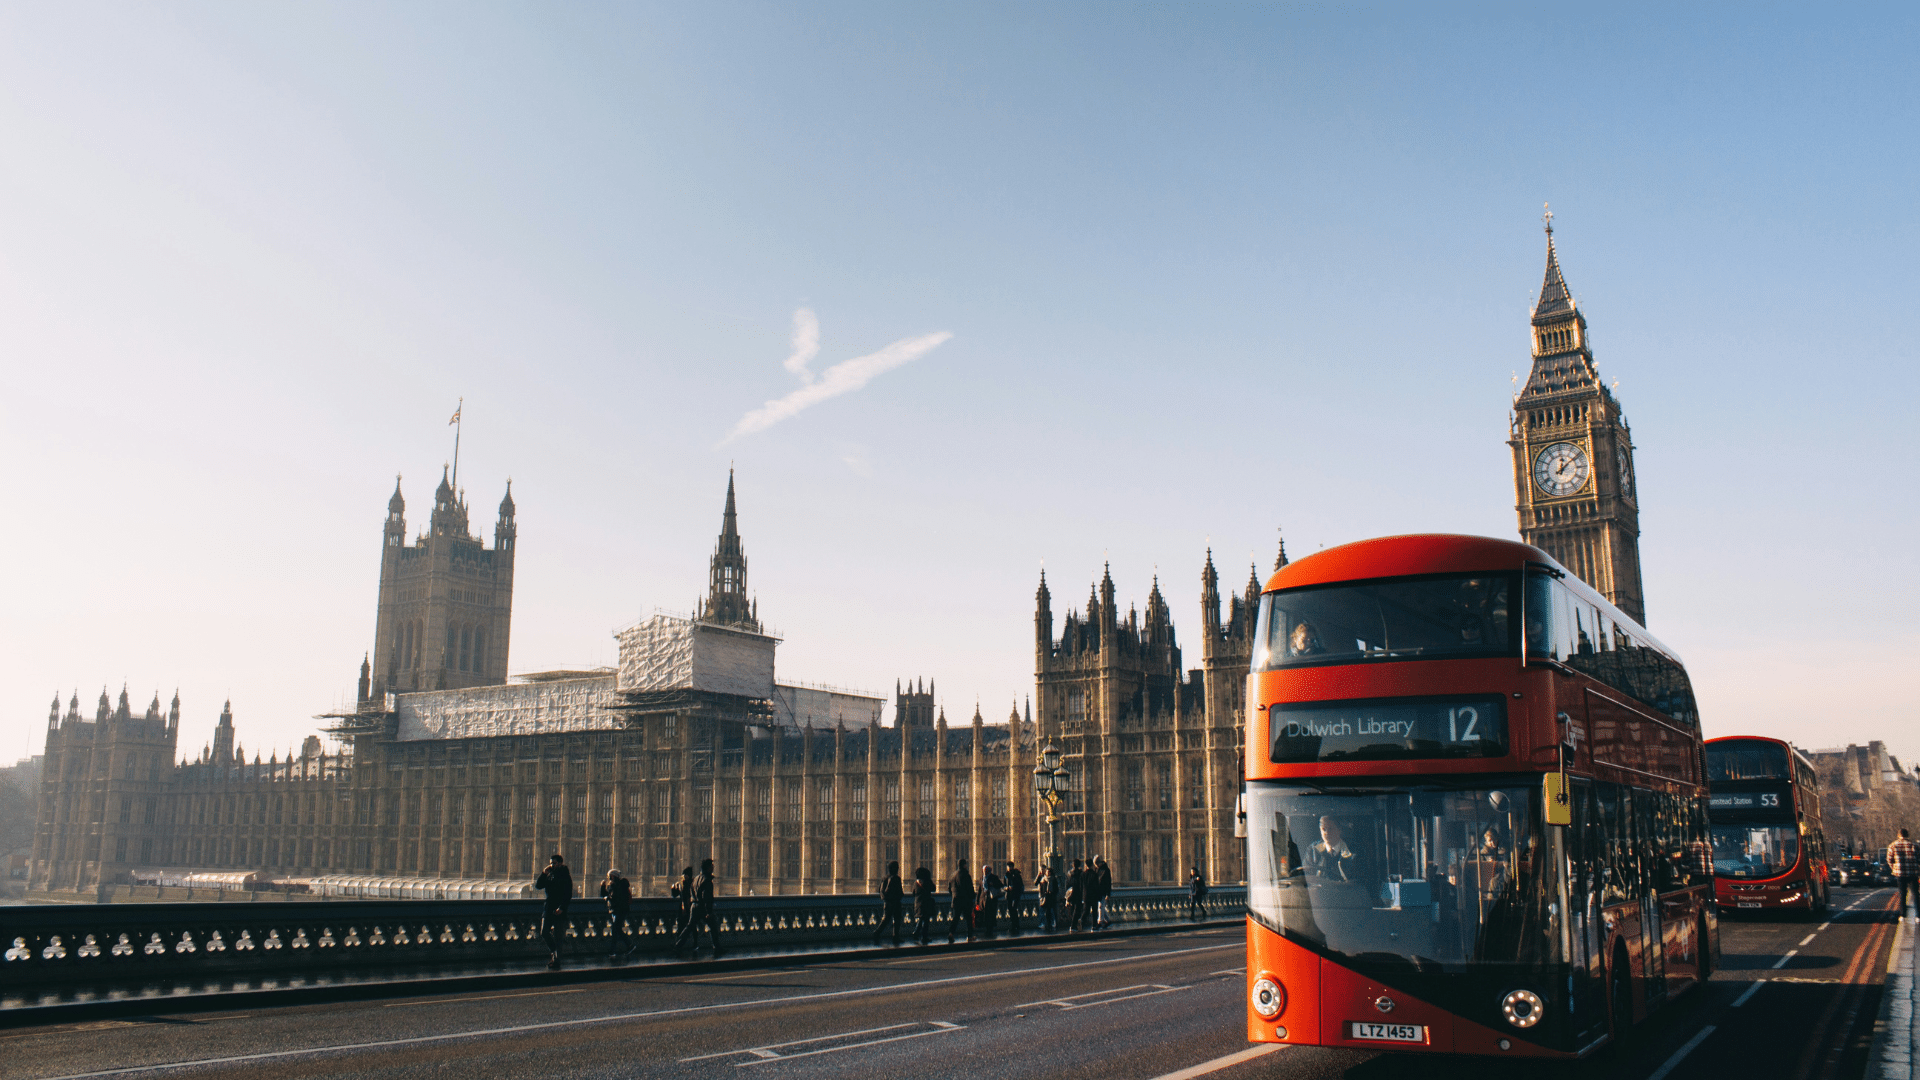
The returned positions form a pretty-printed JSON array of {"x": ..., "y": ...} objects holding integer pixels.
[
  {"x": 1769, "y": 844},
  {"x": 1476, "y": 814}
]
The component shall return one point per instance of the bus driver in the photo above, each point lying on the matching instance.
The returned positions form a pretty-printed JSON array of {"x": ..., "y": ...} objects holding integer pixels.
[{"x": 1331, "y": 859}]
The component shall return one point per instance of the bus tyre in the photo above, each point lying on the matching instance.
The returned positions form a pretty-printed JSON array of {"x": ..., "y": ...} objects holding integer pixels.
[{"x": 1620, "y": 994}]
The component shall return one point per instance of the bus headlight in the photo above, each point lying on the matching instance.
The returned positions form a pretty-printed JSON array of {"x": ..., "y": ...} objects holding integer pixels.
[
  {"x": 1269, "y": 1000},
  {"x": 1522, "y": 1008}
]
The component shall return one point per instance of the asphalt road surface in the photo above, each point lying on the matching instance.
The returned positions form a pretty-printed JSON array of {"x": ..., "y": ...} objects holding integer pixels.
[{"x": 1792, "y": 999}]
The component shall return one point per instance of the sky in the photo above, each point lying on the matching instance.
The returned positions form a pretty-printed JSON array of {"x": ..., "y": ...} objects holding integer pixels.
[{"x": 959, "y": 291}]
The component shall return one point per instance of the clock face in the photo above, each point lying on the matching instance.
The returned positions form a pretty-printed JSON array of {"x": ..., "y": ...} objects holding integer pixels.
[
  {"x": 1561, "y": 469},
  {"x": 1626, "y": 472}
]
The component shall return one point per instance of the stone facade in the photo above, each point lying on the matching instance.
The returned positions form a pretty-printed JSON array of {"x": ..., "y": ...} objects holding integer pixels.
[
  {"x": 688, "y": 750},
  {"x": 1866, "y": 797},
  {"x": 1573, "y": 472}
]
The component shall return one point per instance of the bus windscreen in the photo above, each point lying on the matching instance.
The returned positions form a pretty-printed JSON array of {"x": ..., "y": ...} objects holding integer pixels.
[
  {"x": 1423, "y": 618},
  {"x": 1746, "y": 760},
  {"x": 1755, "y": 851}
]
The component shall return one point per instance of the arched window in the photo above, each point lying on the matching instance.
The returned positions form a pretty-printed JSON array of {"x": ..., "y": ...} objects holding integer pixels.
[
  {"x": 453, "y": 647},
  {"x": 479, "y": 650},
  {"x": 466, "y": 649}
]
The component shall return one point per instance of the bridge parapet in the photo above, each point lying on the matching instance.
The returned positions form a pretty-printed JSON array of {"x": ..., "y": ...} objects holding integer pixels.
[{"x": 141, "y": 943}]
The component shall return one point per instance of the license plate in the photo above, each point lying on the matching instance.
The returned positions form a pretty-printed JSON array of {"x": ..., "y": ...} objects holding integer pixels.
[
  {"x": 1405, "y": 1033},
  {"x": 1744, "y": 903}
]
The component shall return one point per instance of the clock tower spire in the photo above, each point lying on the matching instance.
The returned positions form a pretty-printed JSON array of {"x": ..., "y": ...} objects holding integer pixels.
[{"x": 1573, "y": 470}]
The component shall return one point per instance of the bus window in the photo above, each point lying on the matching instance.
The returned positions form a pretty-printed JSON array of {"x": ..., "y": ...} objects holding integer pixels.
[
  {"x": 1404, "y": 619},
  {"x": 1430, "y": 877},
  {"x": 1755, "y": 851},
  {"x": 1744, "y": 760}
]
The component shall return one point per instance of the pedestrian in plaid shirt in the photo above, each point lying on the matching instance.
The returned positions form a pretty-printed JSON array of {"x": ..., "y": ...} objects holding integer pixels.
[{"x": 1903, "y": 858}]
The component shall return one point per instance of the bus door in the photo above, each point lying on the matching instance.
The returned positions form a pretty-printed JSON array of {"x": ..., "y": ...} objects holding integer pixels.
[
  {"x": 1586, "y": 962},
  {"x": 1653, "y": 944}
]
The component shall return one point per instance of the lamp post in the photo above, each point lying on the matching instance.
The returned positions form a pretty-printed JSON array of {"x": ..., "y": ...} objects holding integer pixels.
[{"x": 1051, "y": 781}]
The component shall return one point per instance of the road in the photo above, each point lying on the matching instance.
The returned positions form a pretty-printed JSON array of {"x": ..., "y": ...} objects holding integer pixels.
[{"x": 1792, "y": 999}]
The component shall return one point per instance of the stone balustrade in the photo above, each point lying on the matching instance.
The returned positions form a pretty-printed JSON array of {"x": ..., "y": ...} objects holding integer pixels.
[{"x": 105, "y": 944}]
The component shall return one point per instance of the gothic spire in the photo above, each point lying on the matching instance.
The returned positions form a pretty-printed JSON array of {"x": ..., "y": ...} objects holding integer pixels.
[
  {"x": 1280, "y": 561},
  {"x": 1556, "y": 300},
  {"x": 727, "y": 576}
]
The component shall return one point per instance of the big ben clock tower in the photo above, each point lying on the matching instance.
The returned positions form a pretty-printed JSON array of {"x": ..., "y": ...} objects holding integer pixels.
[{"x": 1573, "y": 473}]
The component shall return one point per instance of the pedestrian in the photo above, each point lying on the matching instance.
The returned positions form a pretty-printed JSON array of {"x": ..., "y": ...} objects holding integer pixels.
[
  {"x": 1046, "y": 889},
  {"x": 890, "y": 897},
  {"x": 618, "y": 894},
  {"x": 702, "y": 911},
  {"x": 556, "y": 881},
  {"x": 682, "y": 900},
  {"x": 925, "y": 908},
  {"x": 960, "y": 897},
  {"x": 1196, "y": 894},
  {"x": 1903, "y": 861},
  {"x": 1076, "y": 897},
  {"x": 988, "y": 907},
  {"x": 1016, "y": 892},
  {"x": 1102, "y": 889}
]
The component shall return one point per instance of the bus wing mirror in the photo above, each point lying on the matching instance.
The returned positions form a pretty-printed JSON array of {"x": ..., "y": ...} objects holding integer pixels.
[{"x": 1555, "y": 806}]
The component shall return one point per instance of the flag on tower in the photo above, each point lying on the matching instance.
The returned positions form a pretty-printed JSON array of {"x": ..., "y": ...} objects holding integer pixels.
[{"x": 455, "y": 418}]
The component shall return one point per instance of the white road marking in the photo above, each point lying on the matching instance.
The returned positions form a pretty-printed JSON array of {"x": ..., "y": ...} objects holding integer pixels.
[
  {"x": 1074, "y": 1002},
  {"x": 1742, "y": 999},
  {"x": 1823, "y": 926},
  {"x": 1809, "y": 937},
  {"x": 489, "y": 997},
  {"x": 766, "y": 1051},
  {"x": 1698, "y": 1038},
  {"x": 1782, "y": 962},
  {"x": 1230, "y": 971},
  {"x": 551, "y": 1025},
  {"x": 941, "y": 1027},
  {"x": 1229, "y": 1060},
  {"x": 748, "y": 974}
]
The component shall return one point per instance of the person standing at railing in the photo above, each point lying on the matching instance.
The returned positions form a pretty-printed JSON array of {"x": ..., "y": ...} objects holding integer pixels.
[
  {"x": 702, "y": 911},
  {"x": 1016, "y": 891},
  {"x": 1102, "y": 889},
  {"x": 890, "y": 898},
  {"x": 1903, "y": 861},
  {"x": 925, "y": 908},
  {"x": 961, "y": 895},
  {"x": 557, "y": 882},
  {"x": 988, "y": 907},
  {"x": 683, "y": 901},
  {"x": 1077, "y": 886},
  {"x": 618, "y": 894},
  {"x": 1046, "y": 890},
  {"x": 1196, "y": 894}
]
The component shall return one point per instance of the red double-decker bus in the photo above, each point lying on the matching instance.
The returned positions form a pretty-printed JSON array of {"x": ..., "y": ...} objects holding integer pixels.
[
  {"x": 1769, "y": 844},
  {"x": 1475, "y": 807}
]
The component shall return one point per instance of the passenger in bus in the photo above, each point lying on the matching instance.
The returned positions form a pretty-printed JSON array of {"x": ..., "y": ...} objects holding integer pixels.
[
  {"x": 1305, "y": 641},
  {"x": 1483, "y": 612}
]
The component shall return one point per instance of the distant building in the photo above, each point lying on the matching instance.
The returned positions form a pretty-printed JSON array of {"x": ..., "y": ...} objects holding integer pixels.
[{"x": 1866, "y": 797}]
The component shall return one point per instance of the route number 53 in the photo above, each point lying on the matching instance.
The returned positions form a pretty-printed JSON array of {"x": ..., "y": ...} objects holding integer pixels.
[{"x": 1769, "y": 800}]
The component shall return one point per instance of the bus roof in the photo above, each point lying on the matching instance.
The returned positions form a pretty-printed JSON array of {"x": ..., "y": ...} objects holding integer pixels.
[
  {"x": 1791, "y": 749},
  {"x": 1414, "y": 553}
]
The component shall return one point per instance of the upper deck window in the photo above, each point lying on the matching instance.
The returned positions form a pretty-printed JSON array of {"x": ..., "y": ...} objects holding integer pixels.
[
  {"x": 1743, "y": 760},
  {"x": 1422, "y": 618}
]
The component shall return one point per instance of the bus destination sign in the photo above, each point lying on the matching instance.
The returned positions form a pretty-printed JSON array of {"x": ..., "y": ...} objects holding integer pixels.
[
  {"x": 1773, "y": 798},
  {"x": 1381, "y": 730}
]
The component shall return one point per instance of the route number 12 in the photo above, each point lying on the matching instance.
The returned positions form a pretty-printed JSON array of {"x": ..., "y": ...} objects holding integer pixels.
[{"x": 1464, "y": 714}]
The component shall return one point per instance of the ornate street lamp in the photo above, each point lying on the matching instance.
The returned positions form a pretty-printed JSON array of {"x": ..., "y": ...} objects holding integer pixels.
[{"x": 1051, "y": 781}]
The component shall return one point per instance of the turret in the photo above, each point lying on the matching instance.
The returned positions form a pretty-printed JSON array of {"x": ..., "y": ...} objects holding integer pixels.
[
  {"x": 1210, "y": 598},
  {"x": 503, "y": 528},
  {"x": 125, "y": 711},
  {"x": 105, "y": 710},
  {"x": 727, "y": 601},
  {"x": 1042, "y": 623},
  {"x": 173, "y": 710},
  {"x": 223, "y": 736},
  {"x": 366, "y": 678},
  {"x": 53, "y": 716},
  {"x": 1280, "y": 560},
  {"x": 396, "y": 524}
]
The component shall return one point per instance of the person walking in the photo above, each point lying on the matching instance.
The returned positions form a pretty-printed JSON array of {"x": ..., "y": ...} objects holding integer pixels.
[
  {"x": 890, "y": 898},
  {"x": 556, "y": 881},
  {"x": 1903, "y": 861},
  {"x": 1196, "y": 894},
  {"x": 1016, "y": 892},
  {"x": 989, "y": 906},
  {"x": 683, "y": 901},
  {"x": 618, "y": 894},
  {"x": 925, "y": 907},
  {"x": 1076, "y": 897},
  {"x": 960, "y": 896},
  {"x": 1102, "y": 889},
  {"x": 702, "y": 911}
]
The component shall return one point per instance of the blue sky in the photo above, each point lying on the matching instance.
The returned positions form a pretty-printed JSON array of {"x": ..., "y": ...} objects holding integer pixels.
[{"x": 1208, "y": 271}]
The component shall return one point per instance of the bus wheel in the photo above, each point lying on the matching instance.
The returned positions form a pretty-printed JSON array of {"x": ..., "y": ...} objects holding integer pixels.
[{"x": 1620, "y": 994}]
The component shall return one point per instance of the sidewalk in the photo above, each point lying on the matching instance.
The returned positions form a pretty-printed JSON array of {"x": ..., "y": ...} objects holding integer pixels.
[{"x": 1896, "y": 1037}]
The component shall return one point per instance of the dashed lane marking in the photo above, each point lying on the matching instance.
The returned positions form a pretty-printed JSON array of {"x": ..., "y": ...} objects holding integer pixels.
[
  {"x": 1805, "y": 940},
  {"x": 1782, "y": 962},
  {"x": 489, "y": 997},
  {"x": 1743, "y": 998},
  {"x": 1230, "y": 971},
  {"x": 1698, "y": 1038},
  {"x": 585, "y": 1021},
  {"x": 1228, "y": 1061}
]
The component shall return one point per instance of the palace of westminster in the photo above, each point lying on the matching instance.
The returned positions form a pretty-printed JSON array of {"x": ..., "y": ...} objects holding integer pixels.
[{"x": 449, "y": 771}]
